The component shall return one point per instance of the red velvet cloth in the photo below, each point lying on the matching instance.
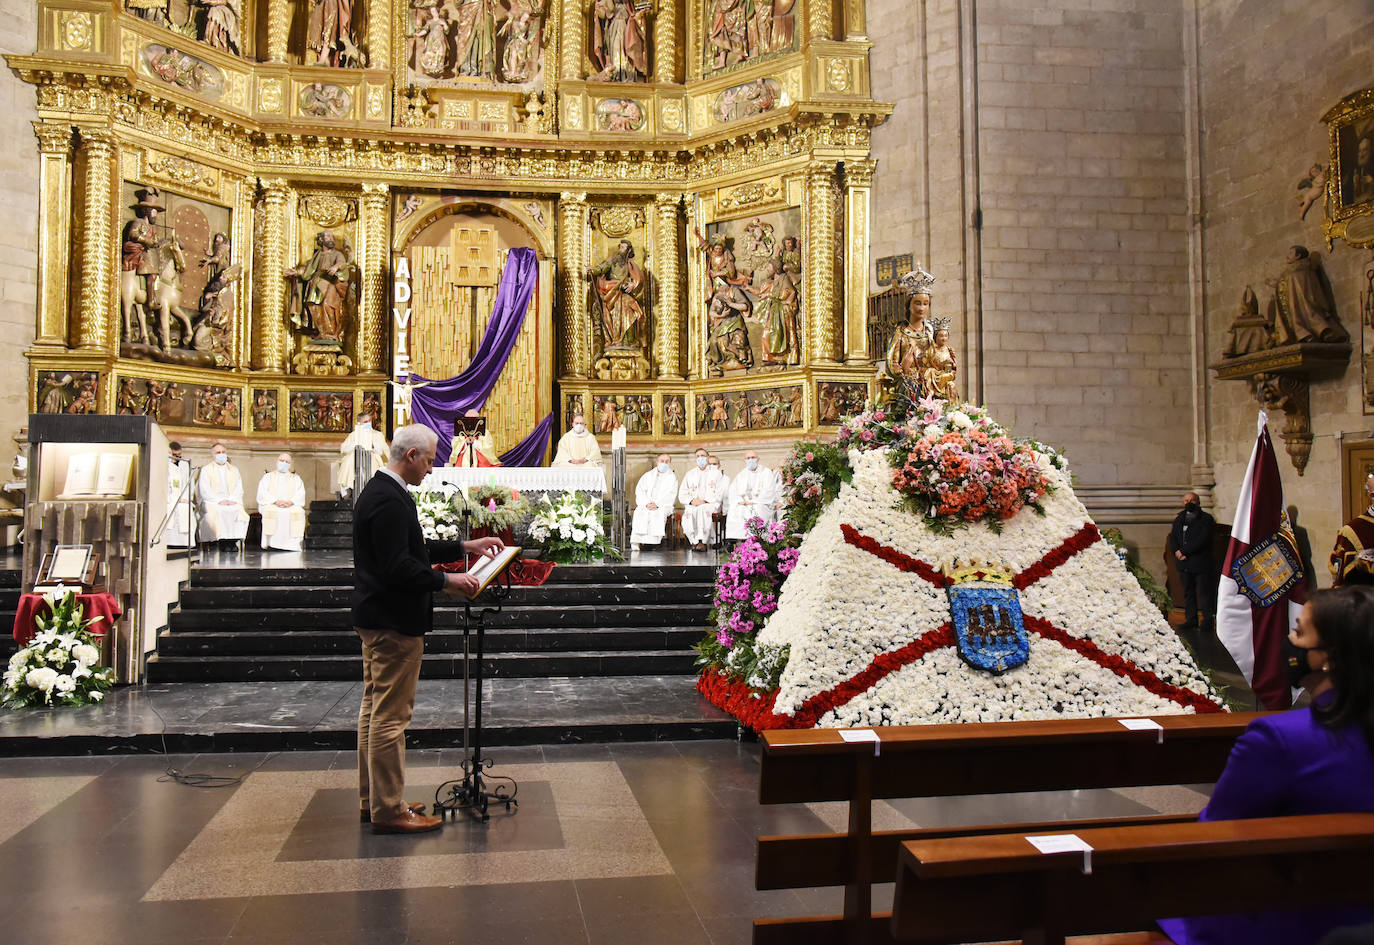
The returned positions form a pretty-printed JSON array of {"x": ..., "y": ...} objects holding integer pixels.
[
  {"x": 32, "y": 606},
  {"x": 524, "y": 572}
]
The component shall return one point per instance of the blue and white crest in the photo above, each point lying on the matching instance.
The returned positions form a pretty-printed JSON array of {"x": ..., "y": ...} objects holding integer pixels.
[
  {"x": 1269, "y": 570},
  {"x": 988, "y": 626}
]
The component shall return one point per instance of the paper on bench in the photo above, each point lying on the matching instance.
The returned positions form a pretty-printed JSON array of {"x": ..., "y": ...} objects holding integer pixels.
[
  {"x": 1145, "y": 725},
  {"x": 1065, "y": 843},
  {"x": 863, "y": 735}
]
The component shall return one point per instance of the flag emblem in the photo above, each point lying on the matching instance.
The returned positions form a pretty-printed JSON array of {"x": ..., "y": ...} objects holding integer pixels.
[
  {"x": 988, "y": 627},
  {"x": 1268, "y": 571}
]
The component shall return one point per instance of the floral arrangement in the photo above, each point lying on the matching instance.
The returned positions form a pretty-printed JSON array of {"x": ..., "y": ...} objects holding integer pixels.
[
  {"x": 497, "y": 508},
  {"x": 60, "y": 666},
  {"x": 438, "y": 508},
  {"x": 571, "y": 529},
  {"x": 747, "y": 589},
  {"x": 811, "y": 478}
]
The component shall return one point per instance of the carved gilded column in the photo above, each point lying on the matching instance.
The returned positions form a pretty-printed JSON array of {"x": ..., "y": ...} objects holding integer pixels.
[
  {"x": 278, "y": 29},
  {"x": 269, "y": 325},
  {"x": 95, "y": 322},
  {"x": 818, "y": 265},
  {"x": 373, "y": 312},
  {"x": 379, "y": 34},
  {"x": 668, "y": 273},
  {"x": 665, "y": 43},
  {"x": 54, "y": 231},
  {"x": 820, "y": 19},
  {"x": 573, "y": 217},
  {"x": 574, "y": 39},
  {"x": 858, "y": 189}
]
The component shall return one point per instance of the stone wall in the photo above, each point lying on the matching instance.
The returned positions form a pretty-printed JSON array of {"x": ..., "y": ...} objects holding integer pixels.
[
  {"x": 18, "y": 225},
  {"x": 1267, "y": 73}
]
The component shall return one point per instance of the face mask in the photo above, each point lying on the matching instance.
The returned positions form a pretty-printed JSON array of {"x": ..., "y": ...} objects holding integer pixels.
[
  {"x": 579, "y": 428},
  {"x": 715, "y": 469},
  {"x": 701, "y": 462},
  {"x": 662, "y": 467},
  {"x": 221, "y": 458},
  {"x": 365, "y": 425},
  {"x": 283, "y": 467},
  {"x": 751, "y": 463}
]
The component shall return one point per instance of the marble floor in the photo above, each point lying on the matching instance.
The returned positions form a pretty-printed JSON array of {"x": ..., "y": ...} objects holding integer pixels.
[{"x": 619, "y": 843}]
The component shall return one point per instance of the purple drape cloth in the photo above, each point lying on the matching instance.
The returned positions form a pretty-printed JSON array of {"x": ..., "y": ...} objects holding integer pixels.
[
  {"x": 530, "y": 450},
  {"x": 437, "y": 403}
]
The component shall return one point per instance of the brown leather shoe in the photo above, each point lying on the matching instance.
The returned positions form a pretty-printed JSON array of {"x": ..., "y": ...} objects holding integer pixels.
[
  {"x": 409, "y": 822},
  {"x": 365, "y": 816}
]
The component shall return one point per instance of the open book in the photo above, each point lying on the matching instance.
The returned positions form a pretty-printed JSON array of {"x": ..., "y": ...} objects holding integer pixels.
[
  {"x": 98, "y": 474},
  {"x": 488, "y": 569}
]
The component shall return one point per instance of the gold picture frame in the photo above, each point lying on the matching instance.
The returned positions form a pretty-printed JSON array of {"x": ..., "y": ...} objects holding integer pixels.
[{"x": 1350, "y": 179}]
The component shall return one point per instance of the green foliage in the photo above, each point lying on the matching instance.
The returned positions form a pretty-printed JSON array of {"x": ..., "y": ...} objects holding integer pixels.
[{"x": 812, "y": 475}]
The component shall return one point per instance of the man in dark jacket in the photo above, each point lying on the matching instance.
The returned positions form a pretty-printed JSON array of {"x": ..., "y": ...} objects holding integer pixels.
[
  {"x": 1192, "y": 541},
  {"x": 392, "y": 610}
]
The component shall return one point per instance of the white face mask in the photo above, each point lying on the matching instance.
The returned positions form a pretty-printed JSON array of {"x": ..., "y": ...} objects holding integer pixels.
[
  {"x": 662, "y": 467},
  {"x": 283, "y": 466},
  {"x": 221, "y": 458},
  {"x": 579, "y": 428},
  {"x": 701, "y": 462},
  {"x": 751, "y": 463},
  {"x": 364, "y": 424}
]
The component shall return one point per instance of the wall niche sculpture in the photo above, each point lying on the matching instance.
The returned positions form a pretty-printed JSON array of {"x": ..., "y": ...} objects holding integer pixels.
[
  {"x": 499, "y": 41},
  {"x": 741, "y": 31}
]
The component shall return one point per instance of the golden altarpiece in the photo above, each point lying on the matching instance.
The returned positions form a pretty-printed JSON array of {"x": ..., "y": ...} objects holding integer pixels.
[{"x": 227, "y": 186}]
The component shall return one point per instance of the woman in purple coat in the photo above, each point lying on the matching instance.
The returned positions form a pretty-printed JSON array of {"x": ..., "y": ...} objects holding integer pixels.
[{"x": 1318, "y": 760}]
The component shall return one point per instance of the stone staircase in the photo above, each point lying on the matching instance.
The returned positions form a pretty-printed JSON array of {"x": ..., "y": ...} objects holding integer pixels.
[
  {"x": 259, "y": 624},
  {"x": 11, "y": 584},
  {"x": 329, "y": 524}
]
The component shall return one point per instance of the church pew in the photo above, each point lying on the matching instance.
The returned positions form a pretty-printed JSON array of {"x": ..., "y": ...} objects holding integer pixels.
[
  {"x": 990, "y": 888},
  {"x": 817, "y": 765}
]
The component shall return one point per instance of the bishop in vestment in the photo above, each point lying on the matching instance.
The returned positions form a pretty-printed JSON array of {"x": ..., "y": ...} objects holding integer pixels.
[
  {"x": 753, "y": 494},
  {"x": 220, "y": 491},
  {"x": 281, "y": 500},
  {"x": 654, "y": 497}
]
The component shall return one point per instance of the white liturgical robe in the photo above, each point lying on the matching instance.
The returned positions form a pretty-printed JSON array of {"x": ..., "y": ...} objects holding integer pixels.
[
  {"x": 370, "y": 440},
  {"x": 484, "y": 446},
  {"x": 179, "y": 503},
  {"x": 572, "y": 446},
  {"x": 283, "y": 527},
  {"x": 222, "y": 515},
  {"x": 751, "y": 495},
  {"x": 660, "y": 488},
  {"x": 707, "y": 485}
]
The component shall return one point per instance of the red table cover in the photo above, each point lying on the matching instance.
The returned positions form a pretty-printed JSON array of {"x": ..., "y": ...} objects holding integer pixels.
[{"x": 31, "y": 606}]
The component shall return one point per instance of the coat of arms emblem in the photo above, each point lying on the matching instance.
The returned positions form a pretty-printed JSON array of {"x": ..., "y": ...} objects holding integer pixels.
[{"x": 985, "y": 609}]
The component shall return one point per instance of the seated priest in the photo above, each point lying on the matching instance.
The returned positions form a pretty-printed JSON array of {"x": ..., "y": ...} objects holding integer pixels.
[
  {"x": 364, "y": 437},
  {"x": 713, "y": 461},
  {"x": 281, "y": 501},
  {"x": 753, "y": 494},
  {"x": 219, "y": 490},
  {"x": 179, "y": 499},
  {"x": 700, "y": 495},
  {"x": 654, "y": 497},
  {"x": 473, "y": 452},
  {"x": 578, "y": 447}
]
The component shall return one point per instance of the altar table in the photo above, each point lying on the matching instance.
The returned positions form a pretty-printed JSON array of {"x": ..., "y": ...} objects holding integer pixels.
[{"x": 523, "y": 478}]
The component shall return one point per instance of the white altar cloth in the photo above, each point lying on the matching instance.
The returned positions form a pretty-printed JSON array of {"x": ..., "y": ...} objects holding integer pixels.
[{"x": 523, "y": 478}]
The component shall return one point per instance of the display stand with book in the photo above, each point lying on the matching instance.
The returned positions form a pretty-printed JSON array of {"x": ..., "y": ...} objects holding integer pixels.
[{"x": 477, "y": 790}]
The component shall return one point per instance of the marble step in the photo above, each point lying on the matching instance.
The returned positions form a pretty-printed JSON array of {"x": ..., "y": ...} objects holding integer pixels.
[
  {"x": 321, "y": 529},
  {"x": 182, "y": 643},
  {"x": 319, "y": 516},
  {"x": 593, "y": 663},
  {"x": 295, "y": 618},
  {"x": 326, "y": 505},
  {"x": 327, "y": 541},
  {"x": 338, "y": 595},
  {"x": 611, "y": 573}
]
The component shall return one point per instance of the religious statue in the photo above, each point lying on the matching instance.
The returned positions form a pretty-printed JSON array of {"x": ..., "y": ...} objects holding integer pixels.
[
  {"x": 727, "y": 345},
  {"x": 906, "y": 353},
  {"x": 731, "y": 35},
  {"x": 324, "y": 292},
  {"x": 324, "y": 100},
  {"x": 220, "y": 24},
  {"x": 130, "y": 400},
  {"x": 940, "y": 366},
  {"x": 609, "y": 418},
  {"x": 789, "y": 257},
  {"x": 1305, "y": 309},
  {"x": 621, "y": 296},
  {"x": 674, "y": 416},
  {"x": 329, "y": 34},
  {"x": 618, "y": 48},
  {"x": 139, "y": 261},
  {"x": 475, "y": 38},
  {"x": 430, "y": 42},
  {"x": 520, "y": 33},
  {"x": 1251, "y": 331},
  {"x": 264, "y": 411},
  {"x": 154, "y": 11},
  {"x": 779, "y": 304}
]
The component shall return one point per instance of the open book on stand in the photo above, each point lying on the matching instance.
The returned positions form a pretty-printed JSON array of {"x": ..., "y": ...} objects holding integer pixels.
[{"x": 488, "y": 569}]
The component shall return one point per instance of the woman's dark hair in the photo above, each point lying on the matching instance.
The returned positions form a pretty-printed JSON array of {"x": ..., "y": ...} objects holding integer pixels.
[{"x": 1344, "y": 618}]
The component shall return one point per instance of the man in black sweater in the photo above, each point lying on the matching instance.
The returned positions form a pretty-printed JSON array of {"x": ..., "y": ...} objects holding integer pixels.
[
  {"x": 392, "y": 610},
  {"x": 1192, "y": 540}
]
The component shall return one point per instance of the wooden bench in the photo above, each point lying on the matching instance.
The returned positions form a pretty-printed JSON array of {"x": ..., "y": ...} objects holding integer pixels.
[
  {"x": 818, "y": 765},
  {"x": 991, "y": 888}
]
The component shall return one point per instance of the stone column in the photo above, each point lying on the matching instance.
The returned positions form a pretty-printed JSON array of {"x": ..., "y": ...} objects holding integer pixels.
[
  {"x": 95, "y": 322},
  {"x": 665, "y": 44},
  {"x": 278, "y": 29},
  {"x": 373, "y": 311},
  {"x": 820, "y": 19},
  {"x": 269, "y": 325},
  {"x": 574, "y": 39},
  {"x": 858, "y": 187},
  {"x": 379, "y": 34},
  {"x": 54, "y": 231},
  {"x": 667, "y": 272},
  {"x": 818, "y": 263},
  {"x": 573, "y": 217}
]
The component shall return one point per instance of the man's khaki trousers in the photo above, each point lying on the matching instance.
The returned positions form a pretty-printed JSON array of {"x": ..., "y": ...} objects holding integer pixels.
[{"x": 391, "y": 667}]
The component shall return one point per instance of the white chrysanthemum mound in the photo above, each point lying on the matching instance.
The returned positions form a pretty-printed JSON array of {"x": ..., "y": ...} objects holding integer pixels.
[{"x": 843, "y": 606}]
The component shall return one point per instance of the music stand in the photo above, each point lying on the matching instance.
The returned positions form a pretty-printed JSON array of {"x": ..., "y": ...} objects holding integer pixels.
[{"x": 470, "y": 793}]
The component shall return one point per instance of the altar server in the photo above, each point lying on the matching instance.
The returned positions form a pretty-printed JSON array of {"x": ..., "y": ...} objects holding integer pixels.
[
  {"x": 179, "y": 496},
  {"x": 473, "y": 452},
  {"x": 369, "y": 439},
  {"x": 578, "y": 447},
  {"x": 700, "y": 495},
  {"x": 752, "y": 495},
  {"x": 654, "y": 497},
  {"x": 220, "y": 490},
  {"x": 281, "y": 500}
]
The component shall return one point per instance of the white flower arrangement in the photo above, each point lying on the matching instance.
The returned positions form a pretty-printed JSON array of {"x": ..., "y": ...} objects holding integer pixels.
[
  {"x": 439, "y": 507},
  {"x": 571, "y": 528},
  {"x": 60, "y": 666}
]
